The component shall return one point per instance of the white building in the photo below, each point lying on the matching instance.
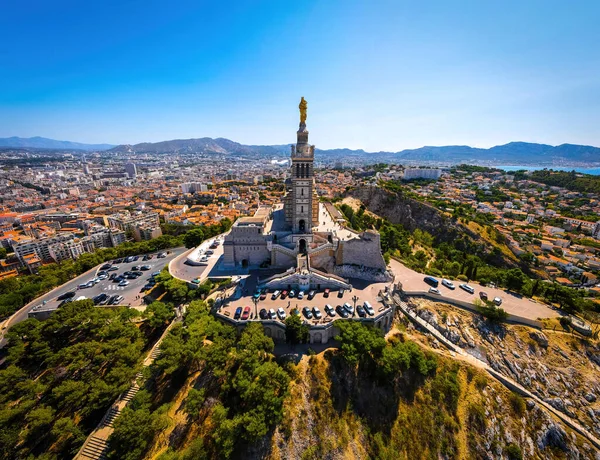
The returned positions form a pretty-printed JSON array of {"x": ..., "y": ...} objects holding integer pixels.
[{"x": 421, "y": 173}]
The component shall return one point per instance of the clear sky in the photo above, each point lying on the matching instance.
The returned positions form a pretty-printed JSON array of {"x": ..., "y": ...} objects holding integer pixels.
[{"x": 377, "y": 75}]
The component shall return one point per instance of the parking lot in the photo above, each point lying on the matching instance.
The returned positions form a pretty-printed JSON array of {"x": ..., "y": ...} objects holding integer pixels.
[
  {"x": 132, "y": 294},
  {"x": 242, "y": 296}
]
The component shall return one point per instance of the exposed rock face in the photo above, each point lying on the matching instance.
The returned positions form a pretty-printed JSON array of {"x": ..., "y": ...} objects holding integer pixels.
[
  {"x": 413, "y": 214},
  {"x": 540, "y": 338}
]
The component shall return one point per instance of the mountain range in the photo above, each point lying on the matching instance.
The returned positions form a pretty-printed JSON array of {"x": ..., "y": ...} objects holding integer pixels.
[
  {"x": 51, "y": 144},
  {"x": 511, "y": 153}
]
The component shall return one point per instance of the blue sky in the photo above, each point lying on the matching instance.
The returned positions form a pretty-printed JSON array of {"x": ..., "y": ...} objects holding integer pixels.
[{"x": 377, "y": 75}]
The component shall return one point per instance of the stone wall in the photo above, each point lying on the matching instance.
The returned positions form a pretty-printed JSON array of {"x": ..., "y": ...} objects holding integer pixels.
[
  {"x": 363, "y": 273},
  {"x": 363, "y": 251}
]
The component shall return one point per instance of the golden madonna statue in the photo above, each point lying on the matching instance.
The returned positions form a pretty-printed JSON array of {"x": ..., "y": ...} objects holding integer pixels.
[{"x": 303, "y": 105}]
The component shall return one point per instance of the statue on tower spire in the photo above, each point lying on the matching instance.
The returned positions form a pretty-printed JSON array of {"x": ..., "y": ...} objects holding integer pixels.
[{"x": 302, "y": 107}]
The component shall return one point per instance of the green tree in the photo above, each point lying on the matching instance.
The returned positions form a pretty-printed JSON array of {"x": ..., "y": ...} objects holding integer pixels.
[
  {"x": 358, "y": 342},
  {"x": 193, "y": 238},
  {"x": 158, "y": 314},
  {"x": 295, "y": 330}
]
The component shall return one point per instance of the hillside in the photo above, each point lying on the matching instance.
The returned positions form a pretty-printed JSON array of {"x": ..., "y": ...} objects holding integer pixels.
[
  {"x": 213, "y": 395},
  {"x": 44, "y": 143}
]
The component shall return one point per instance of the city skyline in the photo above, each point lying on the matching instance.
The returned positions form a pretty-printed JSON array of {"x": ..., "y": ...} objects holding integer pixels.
[{"x": 377, "y": 77}]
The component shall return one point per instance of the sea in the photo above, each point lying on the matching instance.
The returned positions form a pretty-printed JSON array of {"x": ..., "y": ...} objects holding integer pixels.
[{"x": 592, "y": 171}]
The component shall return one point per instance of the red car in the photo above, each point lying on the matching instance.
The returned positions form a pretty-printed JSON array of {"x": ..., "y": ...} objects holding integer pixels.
[
  {"x": 246, "y": 313},
  {"x": 284, "y": 294},
  {"x": 326, "y": 292}
]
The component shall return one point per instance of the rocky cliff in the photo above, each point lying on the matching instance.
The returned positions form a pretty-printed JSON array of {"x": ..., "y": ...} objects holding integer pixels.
[{"x": 412, "y": 214}]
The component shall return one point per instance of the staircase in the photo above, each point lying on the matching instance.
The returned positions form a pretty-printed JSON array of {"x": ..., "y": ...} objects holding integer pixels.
[
  {"x": 284, "y": 250},
  {"x": 95, "y": 448},
  {"x": 320, "y": 249}
]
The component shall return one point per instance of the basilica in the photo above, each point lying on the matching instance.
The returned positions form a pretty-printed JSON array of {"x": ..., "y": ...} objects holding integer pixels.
[{"x": 304, "y": 241}]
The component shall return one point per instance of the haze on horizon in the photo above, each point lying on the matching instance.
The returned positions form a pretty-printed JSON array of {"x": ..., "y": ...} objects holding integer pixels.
[{"x": 377, "y": 75}]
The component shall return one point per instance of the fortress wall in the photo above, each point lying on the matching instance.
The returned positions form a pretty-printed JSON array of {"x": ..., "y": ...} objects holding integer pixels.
[
  {"x": 363, "y": 273},
  {"x": 363, "y": 251}
]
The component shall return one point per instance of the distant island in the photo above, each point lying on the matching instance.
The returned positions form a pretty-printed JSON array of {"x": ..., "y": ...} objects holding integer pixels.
[{"x": 513, "y": 153}]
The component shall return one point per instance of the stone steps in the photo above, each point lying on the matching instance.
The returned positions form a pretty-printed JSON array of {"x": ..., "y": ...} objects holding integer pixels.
[
  {"x": 95, "y": 448},
  {"x": 111, "y": 416}
]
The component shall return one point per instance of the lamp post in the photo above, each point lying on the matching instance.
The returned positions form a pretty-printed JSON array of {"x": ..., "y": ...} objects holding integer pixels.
[
  {"x": 354, "y": 299},
  {"x": 255, "y": 301}
]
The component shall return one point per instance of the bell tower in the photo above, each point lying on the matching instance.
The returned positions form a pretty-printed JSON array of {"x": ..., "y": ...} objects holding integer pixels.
[{"x": 303, "y": 197}]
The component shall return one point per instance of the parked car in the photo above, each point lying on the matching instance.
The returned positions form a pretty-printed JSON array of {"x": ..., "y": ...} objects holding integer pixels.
[
  {"x": 368, "y": 308},
  {"x": 307, "y": 312},
  {"x": 311, "y": 294},
  {"x": 329, "y": 310},
  {"x": 466, "y": 287},
  {"x": 115, "y": 299},
  {"x": 449, "y": 284},
  {"x": 300, "y": 295},
  {"x": 272, "y": 314},
  {"x": 112, "y": 269},
  {"x": 118, "y": 261},
  {"x": 145, "y": 267},
  {"x": 431, "y": 281},
  {"x": 238, "y": 313},
  {"x": 124, "y": 283},
  {"x": 100, "y": 298},
  {"x": 284, "y": 294},
  {"x": 349, "y": 308},
  {"x": 162, "y": 255},
  {"x": 256, "y": 295},
  {"x": 361, "y": 311},
  {"x": 498, "y": 301},
  {"x": 292, "y": 294},
  {"x": 66, "y": 295},
  {"x": 246, "y": 313},
  {"x": 483, "y": 296},
  {"x": 105, "y": 267},
  {"x": 263, "y": 314},
  {"x": 263, "y": 294},
  {"x": 326, "y": 292},
  {"x": 435, "y": 291},
  {"x": 136, "y": 268},
  {"x": 85, "y": 285},
  {"x": 275, "y": 295},
  {"x": 64, "y": 302},
  {"x": 317, "y": 313},
  {"x": 341, "y": 293},
  {"x": 135, "y": 258},
  {"x": 342, "y": 311},
  {"x": 281, "y": 313}
]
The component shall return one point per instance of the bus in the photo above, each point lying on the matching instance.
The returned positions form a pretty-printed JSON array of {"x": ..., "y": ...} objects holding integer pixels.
[{"x": 431, "y": 281}]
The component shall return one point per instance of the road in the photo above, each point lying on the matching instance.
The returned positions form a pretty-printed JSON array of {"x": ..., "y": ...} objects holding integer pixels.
[{"x": 129, "y": 293}]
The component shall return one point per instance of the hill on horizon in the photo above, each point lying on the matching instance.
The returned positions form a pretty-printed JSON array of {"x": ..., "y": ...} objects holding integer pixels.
[
  {"x": 511, "y": 153},
  {"x": 45, "y": 143},
  {"x": 518, "y": 152}
]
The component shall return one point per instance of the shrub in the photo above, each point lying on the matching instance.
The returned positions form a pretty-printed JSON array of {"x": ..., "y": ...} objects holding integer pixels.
[
  {"x": 514, "y": 452},
  {"x": 462, "y": 278},
  {"x": 518, "y": 404}
]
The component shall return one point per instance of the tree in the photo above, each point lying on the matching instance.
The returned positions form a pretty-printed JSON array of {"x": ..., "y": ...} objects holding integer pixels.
[
  {"x": 515, "y": 279},
  {"x": 2, "y": 253},
  {"x": 158, "y": 313},
  {"x": 194, "y": 402},
  {"x": 193, "y": 238},
  {"x": 358, "y": 342},
  {"x": 295, "y": 330}
]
